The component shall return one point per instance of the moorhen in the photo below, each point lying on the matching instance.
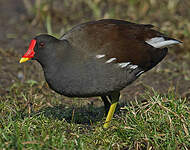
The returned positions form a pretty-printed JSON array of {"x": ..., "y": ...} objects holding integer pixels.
[{"x": 98, "y": 58}]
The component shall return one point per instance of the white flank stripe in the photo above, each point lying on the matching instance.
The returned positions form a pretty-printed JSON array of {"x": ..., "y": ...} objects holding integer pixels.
[
  {"x": 159, "y": 42},
  {"x": 122, "y": 65},
  {"x": 138, "y": 74},
  {"x": 133, "y": 66},
  {"x": 100, "y": 56},
  {"x": 110, "y": 60}
]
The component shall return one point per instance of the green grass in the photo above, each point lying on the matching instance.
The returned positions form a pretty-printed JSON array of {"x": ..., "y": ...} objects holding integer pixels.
[{"x": 32, "y": 117}]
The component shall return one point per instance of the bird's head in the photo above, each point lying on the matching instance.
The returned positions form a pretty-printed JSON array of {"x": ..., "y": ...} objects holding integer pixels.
[{"x": 40, "y": 47}]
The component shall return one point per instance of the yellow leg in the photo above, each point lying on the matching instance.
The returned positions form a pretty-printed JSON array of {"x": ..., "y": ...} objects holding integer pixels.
[{"x": 110, "y": 114}]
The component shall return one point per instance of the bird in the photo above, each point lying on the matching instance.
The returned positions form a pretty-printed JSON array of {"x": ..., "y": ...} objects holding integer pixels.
[{"x": 99, "y": 58}]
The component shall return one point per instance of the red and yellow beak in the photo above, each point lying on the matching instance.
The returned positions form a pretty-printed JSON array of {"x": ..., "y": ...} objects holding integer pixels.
[{"x": 30, "y": 52}]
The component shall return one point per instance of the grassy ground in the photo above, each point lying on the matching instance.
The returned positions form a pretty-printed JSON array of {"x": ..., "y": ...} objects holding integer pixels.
[
  {"x": 154, "y": 112},
  {"x": 37, "y": 118}
]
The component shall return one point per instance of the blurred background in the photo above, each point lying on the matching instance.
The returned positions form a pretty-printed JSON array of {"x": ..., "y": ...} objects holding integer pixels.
[{"x": 21, "y": 20}]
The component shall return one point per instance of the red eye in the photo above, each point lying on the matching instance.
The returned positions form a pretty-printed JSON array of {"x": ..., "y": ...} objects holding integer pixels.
[{"x": 42, "y": 44}]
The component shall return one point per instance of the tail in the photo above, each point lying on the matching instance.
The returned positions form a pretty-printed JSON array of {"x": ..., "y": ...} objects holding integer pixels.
[{"x": 160, "y": 42}]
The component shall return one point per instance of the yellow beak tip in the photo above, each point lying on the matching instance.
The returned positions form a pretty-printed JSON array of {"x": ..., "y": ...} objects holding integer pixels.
[{"x": 23, "y": 60}]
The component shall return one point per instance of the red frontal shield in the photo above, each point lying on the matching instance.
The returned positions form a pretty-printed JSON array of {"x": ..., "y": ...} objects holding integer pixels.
[{"x": 30, "y": 52}]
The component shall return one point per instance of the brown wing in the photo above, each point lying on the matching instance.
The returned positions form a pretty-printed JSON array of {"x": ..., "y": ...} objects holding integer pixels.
[{"x": 118, "y": 39}]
